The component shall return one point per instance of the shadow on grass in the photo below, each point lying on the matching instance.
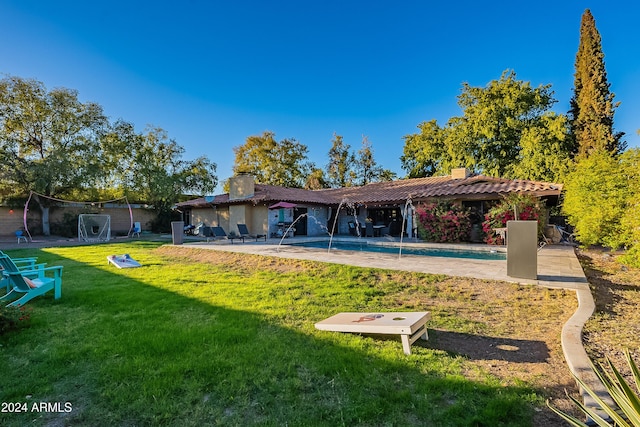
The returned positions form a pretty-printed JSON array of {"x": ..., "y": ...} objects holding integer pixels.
[
  {"x": 122, "y": 350},
  {"x": 478, "y": 347}
]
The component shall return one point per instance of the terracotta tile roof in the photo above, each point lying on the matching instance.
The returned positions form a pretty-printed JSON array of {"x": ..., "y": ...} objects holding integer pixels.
[
  {"x": 443, "y": 186},
  {"x": 474, "y": 187}
]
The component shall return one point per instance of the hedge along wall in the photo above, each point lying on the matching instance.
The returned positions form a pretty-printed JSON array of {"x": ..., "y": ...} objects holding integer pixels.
[{"x": 11, "y": 219}]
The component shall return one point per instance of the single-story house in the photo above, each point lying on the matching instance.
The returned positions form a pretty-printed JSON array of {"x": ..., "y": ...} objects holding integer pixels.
[{"x": 271, "y": 210}]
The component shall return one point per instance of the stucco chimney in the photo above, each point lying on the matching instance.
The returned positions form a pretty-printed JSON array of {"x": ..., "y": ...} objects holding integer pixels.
[
  {"x": 241, "y": 186},
  {"x": 460, "y": 173}
]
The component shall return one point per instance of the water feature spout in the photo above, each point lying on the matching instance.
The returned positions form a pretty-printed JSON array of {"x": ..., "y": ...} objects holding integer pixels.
[
  {"x": 333, "y": 228},
  {"x": 346, "y": 203},
  {"x": 295, "y": 221},
  {"x": 404, "y": 218}
]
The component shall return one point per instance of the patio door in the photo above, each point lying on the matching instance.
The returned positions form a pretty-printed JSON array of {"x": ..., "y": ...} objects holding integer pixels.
[{"x": 301, "y": 224}]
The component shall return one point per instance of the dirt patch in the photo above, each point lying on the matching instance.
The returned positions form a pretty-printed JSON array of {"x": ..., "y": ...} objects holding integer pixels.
[
  {"x": 237, "y": 261},
  {"x": 615, "y": 326}
]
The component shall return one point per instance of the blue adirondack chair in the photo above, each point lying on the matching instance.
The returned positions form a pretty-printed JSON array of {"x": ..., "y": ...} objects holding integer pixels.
[
  {"x": 28, "y": 284},
  {"x": 28, "y": 263}
]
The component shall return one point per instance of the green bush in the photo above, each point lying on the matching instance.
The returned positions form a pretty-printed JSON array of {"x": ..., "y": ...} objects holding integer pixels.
[
  {"x": 12, "y": 318},
  {"x": 632, "y": 257},
  {"x": 67, "y": 226},
  {"x": 595, "y": 200}
]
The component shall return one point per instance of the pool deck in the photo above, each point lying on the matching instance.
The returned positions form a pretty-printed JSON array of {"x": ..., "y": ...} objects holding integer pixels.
[{"x": 558, "y": 268}]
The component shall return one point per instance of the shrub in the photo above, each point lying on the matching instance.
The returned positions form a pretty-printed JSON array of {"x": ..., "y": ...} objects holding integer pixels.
[
  {"x": 632, "y": 256},
  {"x": 596, "y": 196},
  {"x": 12, "y": 318},
  {"x": 527, "y": 207},
  {"x": 443, "y": 222},
  {"x": 67, "y": 226}
]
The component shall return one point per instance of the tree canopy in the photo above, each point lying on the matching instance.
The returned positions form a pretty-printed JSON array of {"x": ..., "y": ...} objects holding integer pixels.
[
  {"x": 367, "y": 170},
  {"x": 52, "y": 143},
  {"x": 346, "y": 168},
  {"x": 49, "y": 140},
  {"x": 273, "y": 162},
  {"x": 507, "y": 130},
  {"x": 340, "y": 167}
]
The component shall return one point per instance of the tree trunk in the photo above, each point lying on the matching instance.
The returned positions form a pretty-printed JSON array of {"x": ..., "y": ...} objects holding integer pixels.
[{"x": 46, "y": 230}]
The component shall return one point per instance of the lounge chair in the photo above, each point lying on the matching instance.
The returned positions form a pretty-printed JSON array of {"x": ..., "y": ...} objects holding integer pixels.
[
  {"x": 352, "y": 229},
  {"x": 218, "y": 233},
  {"x": 244, "y": 232},
  {"x": 30, "y": 283}
]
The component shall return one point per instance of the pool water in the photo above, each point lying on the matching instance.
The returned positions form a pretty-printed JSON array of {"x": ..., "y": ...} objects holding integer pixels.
[{"x": 438, "y": 252}]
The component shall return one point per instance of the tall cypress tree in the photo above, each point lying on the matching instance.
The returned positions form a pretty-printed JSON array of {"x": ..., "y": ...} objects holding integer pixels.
[{"x": 592, "y": 105}]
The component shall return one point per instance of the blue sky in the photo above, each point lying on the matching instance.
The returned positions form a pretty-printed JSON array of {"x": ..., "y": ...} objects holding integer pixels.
[{"x": 212, "y": 73}]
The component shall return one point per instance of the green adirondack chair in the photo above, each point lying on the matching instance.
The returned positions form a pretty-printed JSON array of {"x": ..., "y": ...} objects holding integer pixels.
[{"x": 28, "y": 284}]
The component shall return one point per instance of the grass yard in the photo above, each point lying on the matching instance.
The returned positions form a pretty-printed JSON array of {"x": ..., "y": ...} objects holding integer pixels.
[{"x": 197, "y": 337}]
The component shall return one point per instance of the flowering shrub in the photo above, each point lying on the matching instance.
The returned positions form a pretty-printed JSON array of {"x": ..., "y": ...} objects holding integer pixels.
[
  {"x": 443, "y": 222},
  {"x": 528, "y": 209},
  {"x": 13, "y": 318}
]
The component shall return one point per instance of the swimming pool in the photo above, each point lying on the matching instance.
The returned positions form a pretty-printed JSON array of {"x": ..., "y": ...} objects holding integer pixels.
[{"x": 406, "y": 250}]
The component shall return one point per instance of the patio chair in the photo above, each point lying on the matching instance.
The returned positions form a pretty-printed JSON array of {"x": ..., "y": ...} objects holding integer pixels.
[
  {"x": 20, "y": 236},
  {"x": 220, "y": 234},
  {"x": 566, "y": 238},
  {"x": 22, "y": 264},
  {"x": 136, "y": 229},
  {"x": 352, "y": 228},
  {"x": 244, "y": 232},
  {"x": 28, "y": 284},
  {"x": 369, "y": 229}
]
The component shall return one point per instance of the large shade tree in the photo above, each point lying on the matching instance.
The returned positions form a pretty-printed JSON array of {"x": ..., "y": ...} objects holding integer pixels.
[
  {"x": 59, "y": 147},
  {"x": 149, "y": 167},
  {"x": 49, "y": 141},
  {"x": 504, "y": 128},
  {"x": 283, "y": 163}
]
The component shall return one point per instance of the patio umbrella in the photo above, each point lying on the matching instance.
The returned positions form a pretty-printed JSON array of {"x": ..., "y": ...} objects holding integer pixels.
[{"x": 285, "y": 205}]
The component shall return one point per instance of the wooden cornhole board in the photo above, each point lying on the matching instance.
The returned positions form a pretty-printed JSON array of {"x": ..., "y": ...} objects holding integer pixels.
[
  {"x": 123, "y": 261},
  {"x": 410, "y": 326}
]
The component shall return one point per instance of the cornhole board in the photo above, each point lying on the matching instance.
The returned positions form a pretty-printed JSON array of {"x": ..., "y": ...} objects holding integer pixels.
[
  {"x": 410, "y": 326},
  {"x": 123, "y": 261}
]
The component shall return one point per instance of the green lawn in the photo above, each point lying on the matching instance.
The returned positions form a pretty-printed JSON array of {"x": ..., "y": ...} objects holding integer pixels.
[{"x": 186, "y": 343}]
